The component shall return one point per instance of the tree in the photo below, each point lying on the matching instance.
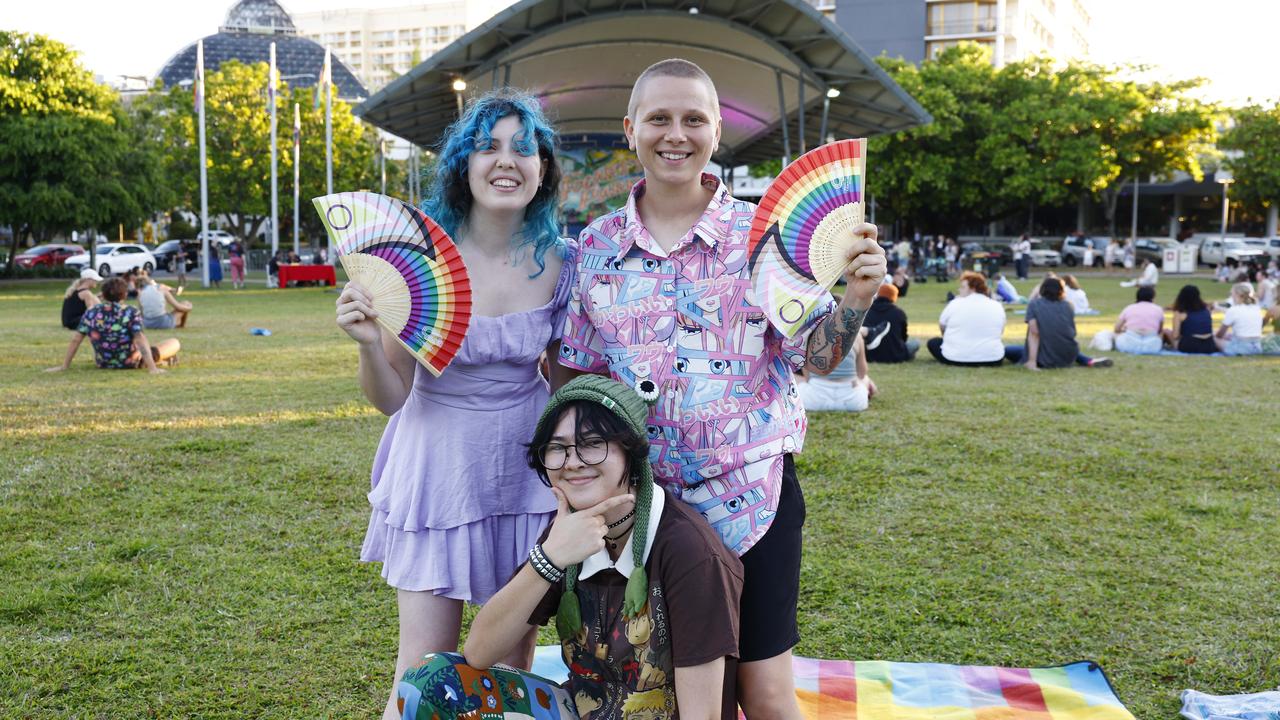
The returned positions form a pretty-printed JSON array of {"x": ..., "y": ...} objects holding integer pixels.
[
  {"x": 65, "y": 155},
  {"x": 238, "y": 148},
  {"x": 1030, "y": 133},
  {"x": 1164, "y": 130},
  {"x": 1255, "y": 138},
  {"x": 936, "y": 174}
]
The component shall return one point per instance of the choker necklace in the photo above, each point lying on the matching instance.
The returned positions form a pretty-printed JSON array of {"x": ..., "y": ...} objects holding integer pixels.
[
  {"x": 612, "y": 541},
  {"x": 622, "y": 519}
]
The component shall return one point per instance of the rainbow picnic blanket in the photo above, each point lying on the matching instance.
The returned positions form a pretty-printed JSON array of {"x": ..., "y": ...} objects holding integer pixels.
[{"x": 879, "y": 690}]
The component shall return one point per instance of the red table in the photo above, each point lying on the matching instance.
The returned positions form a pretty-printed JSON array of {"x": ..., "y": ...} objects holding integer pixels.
[{"x": 294, "y": 273}]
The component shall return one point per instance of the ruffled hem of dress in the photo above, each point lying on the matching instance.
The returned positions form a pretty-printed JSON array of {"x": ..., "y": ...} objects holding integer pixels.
[{"x": 469, "y": 562}]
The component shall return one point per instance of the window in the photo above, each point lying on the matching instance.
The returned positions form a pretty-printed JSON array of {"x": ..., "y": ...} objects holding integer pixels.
[{"x": 961, "y": 17}]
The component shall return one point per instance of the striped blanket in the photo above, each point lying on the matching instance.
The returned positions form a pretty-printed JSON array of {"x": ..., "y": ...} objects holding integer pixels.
[{"x": 878, "y": 690}]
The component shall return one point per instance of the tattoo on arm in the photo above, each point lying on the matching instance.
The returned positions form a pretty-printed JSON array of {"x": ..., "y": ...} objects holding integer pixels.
[{"x": 831, "y": 342}]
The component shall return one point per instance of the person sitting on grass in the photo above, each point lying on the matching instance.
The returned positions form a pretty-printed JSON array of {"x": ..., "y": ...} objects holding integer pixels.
[
  {"x": 1271, "y": 343},
  {"x": 156, "y": 299},
  {"x": 1006, "y": 292},
  {"x": 890, "y": 343},
  {"x": 1076, "y": 296},
  {"x": 1192, "y": 328},
  {"x": 115, "y": 331},
  {"x": 972, "y": 325},
  {"x": 643, "y": 592},
  {"x": 1241, "y": 329},
  {"x": 1139, "y": 325},
  {"x": 1051, "y": 333},
  {"x": 79, "y": 298},
  {"x": 847, "y": 388},
  {"x": 1149, "y": 278}
]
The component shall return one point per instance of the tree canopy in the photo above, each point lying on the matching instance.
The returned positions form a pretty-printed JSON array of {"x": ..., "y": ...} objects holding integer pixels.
[
  {"x": 238, "y": 149},
  {"x": 70, "y": 155},
  {"x": 1029, "y": 133},
  {"x": 1255, "y": 162}
]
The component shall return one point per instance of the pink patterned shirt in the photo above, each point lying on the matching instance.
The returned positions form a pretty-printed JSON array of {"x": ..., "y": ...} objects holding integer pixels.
[{"x": 727, "y": 410}]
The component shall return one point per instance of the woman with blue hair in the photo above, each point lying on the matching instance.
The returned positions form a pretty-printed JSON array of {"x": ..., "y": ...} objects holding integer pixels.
[{"x": 456, "y": 507}]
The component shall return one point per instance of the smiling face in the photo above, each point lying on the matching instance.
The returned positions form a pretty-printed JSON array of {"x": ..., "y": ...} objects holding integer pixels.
[
  {"x": 586, "y": 485},
  {"x": 500, "y": 178},
  {"x": 674, "y": 127}
]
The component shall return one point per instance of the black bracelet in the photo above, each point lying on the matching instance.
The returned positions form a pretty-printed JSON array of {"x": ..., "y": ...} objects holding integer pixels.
[{"x": 543, "y": 566}]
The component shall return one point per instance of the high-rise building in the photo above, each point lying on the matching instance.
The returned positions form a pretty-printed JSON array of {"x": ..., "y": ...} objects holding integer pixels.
[
  {"x": 1014, "y": 29},
  {"x": 382, "y": 44}
]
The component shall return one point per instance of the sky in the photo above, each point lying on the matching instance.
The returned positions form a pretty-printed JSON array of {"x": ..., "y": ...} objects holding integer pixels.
[{"x": 1229, "y": 42}]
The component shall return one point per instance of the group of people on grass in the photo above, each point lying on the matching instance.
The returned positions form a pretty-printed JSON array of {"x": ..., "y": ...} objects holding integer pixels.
[
  {"x": 115, "y": 328},
  {"x": 650, "y": 505},
  {"x": 1141, "y": 330}
]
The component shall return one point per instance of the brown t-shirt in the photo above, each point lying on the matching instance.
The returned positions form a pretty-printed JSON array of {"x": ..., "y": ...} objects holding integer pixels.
[{"x": 626, "y": 668}]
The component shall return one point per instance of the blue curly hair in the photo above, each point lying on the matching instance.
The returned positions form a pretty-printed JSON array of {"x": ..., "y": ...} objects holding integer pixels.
[{"x": 450, "y": 199}]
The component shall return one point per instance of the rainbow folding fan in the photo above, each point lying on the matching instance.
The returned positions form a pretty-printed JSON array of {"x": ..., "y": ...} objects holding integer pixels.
[
  {"x": 803, "y": 229},
  {"x": 410, "y": 265}
]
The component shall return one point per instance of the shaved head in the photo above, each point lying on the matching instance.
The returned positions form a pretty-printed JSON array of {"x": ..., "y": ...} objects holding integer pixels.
[{"x": 677, "y": 68}]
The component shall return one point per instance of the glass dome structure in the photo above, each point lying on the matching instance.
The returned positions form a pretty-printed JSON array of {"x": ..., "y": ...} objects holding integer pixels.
[{"x": 246, "y": 35}]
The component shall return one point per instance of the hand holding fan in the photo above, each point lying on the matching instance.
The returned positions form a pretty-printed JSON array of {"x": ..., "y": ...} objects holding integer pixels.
[
  {"x": 803, "y": 229},
  {"x": 409, "y": 265}
]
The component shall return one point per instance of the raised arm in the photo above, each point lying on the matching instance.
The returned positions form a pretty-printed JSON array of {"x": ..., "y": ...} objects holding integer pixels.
[
  {"x": 386, "y": 369},
  {"x": 832, "y": 339}
]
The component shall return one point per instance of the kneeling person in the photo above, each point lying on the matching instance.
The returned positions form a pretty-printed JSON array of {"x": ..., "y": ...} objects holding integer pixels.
[{"x": 643, "y": 592}]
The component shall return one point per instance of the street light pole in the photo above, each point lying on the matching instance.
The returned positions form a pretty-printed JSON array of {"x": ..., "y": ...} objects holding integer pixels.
[{"x": 1226, "y": 204}]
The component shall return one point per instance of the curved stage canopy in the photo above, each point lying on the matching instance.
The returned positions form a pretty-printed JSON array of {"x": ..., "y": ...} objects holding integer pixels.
[{"x": 769, "y": 60}]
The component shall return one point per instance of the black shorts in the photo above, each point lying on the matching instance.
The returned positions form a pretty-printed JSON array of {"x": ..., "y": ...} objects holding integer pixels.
[{"x": 771, "y": 578}]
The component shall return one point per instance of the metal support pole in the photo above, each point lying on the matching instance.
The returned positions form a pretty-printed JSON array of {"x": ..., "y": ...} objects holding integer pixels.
[
  {"x": 1133, "y": 229},
  {"x": 782, "y": 110},
  {"x": 1226, "y": 207},
  {"x": 804, "y": 145},
  {"x": 822, "y": 128}
]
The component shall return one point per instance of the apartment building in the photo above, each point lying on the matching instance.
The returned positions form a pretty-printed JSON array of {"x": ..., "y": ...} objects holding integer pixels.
[
  {"x": 1014, "y": 29},
  {"x": 382, "y": 44}
]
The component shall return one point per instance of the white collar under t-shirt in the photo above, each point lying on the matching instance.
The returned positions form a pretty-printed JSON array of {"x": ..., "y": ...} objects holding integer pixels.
[{"x": 624, "y": 566}]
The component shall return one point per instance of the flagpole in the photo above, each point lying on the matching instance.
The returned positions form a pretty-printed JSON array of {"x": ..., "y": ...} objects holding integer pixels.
[
  {"x": 297, "y": 137},
  {"x": 328, "y": 135},
  {"x": 275, "y": 202},
  {"x": 204, "y": 175}
]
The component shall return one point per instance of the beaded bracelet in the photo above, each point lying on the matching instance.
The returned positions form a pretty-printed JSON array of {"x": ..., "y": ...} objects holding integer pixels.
[{"x": 544, "y": 567}]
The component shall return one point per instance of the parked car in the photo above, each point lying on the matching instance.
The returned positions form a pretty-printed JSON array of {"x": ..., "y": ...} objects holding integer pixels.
[
  {"x": 115, "y": 258},
  {"x": 1042, "y": 255},
  {"x": 976, "y": 256},
  {"x": 222, "y": 237},
  {"x": 1153, "y": 248},
  {"x": 1273, "y": 246},
  {"x": 165, "y": 251},
  {"x": 1073, "y": 249},
  {"x": 1214, "y": 252},
  {"x": 51, "y": 255}
]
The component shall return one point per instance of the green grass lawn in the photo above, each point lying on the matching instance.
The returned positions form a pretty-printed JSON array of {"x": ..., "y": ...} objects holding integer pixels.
[{"x": 185, "y": 545}]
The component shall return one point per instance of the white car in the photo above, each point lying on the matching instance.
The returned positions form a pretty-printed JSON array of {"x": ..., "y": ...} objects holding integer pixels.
[
  {"x": 1217, "y": 252},
  {"x": 222, "y": 237},
  {"x": 1043, "y": 256},
  {"x": 115, "y": 258}
]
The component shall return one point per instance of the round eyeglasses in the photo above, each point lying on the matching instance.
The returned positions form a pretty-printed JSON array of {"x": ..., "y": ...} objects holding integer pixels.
[{"x": 591, "y": 451}]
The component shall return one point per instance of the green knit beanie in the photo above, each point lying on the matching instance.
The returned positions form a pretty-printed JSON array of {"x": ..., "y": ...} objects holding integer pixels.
[{"x": 628, "y": 406}]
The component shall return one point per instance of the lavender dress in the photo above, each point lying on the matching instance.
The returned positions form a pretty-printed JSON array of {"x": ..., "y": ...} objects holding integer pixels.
[{"x": 455, "y": 506}]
